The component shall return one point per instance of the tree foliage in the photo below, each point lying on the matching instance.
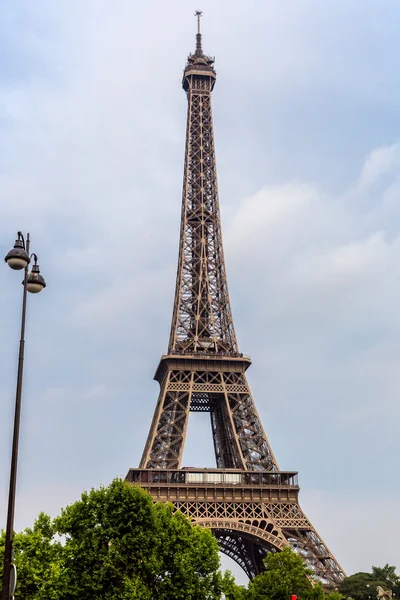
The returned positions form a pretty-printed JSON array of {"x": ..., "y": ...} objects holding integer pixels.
[
  {"x": 335, "y": 595},
  {"x": 285, "y": 574},
  {"x": 38, "y": 559},
  {"x": 362, "y": 586},
  {"x": 388, "y": 575},
  {"x": 117, "y": 544},
  {"x": 230, "y": 590}
]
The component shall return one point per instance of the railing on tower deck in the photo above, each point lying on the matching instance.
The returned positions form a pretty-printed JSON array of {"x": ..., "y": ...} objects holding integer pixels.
[
  {"x": 227, "y": 477},
  {"x": 189, "y": 353}
]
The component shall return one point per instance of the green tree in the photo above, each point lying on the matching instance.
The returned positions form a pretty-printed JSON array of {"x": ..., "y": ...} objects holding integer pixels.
[
  {"x": 186, "y": 558},
  {"x": 335, "y": 595},
  {"x": 38, "y": 558},
  {"x": 119, "y": 544},
  {"x": 389, "y": 576},
  {"x": 362, "y": 586},
  {"x": 116, "y": 544},
  {"x": 232, "y": 591},
  {"x": 285, "y": 574}
]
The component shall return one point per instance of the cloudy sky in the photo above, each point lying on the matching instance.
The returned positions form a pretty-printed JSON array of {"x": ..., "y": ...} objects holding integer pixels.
[{"x": 307, "y": 123}]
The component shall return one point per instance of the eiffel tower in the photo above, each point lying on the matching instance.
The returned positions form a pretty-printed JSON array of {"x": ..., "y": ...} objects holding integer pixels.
[{"x": 250, "y": 505}]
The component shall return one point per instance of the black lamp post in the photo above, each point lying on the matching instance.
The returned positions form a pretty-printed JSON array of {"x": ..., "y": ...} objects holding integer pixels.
[{"x": 18, "y": 258}]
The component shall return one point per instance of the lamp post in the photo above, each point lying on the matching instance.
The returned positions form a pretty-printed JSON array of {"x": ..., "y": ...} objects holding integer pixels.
[{"x": 18, "y": 258}]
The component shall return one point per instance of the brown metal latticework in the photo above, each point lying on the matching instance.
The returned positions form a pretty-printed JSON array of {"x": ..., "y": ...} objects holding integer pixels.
[{"x": 249, "y": 504}]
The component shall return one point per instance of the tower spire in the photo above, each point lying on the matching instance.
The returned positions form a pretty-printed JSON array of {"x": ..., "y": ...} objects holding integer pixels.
[{"x": 199, "y": 49}]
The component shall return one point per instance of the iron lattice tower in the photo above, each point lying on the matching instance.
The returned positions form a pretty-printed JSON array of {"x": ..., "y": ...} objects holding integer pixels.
[{"x": 250, "y": 505}]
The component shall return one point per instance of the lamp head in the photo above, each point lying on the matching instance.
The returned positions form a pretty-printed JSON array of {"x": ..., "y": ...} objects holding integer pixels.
[
  {"x": 35, "y": 282},
  {"x": 18, "y": 258}
]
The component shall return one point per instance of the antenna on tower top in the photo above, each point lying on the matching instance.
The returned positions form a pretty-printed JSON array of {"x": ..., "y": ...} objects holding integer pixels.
[
  {"x": 199, "y": 49},
  {"x": 198, "y": 14}
]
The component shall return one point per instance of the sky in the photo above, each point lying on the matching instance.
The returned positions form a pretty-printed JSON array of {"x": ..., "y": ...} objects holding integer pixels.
[{"x": 307, "y": 126}]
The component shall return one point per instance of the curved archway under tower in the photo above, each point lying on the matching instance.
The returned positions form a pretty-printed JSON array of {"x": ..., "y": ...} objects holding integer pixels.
[{"x": 244, "y": 548}]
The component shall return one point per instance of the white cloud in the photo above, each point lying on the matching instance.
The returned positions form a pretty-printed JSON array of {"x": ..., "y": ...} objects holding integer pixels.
[
  {"x": 380, "y": 162},
  {"x": 306, "y": 243}
]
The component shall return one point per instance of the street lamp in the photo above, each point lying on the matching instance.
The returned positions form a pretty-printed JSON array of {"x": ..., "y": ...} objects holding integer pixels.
[{"x": 18, "y": 258}]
